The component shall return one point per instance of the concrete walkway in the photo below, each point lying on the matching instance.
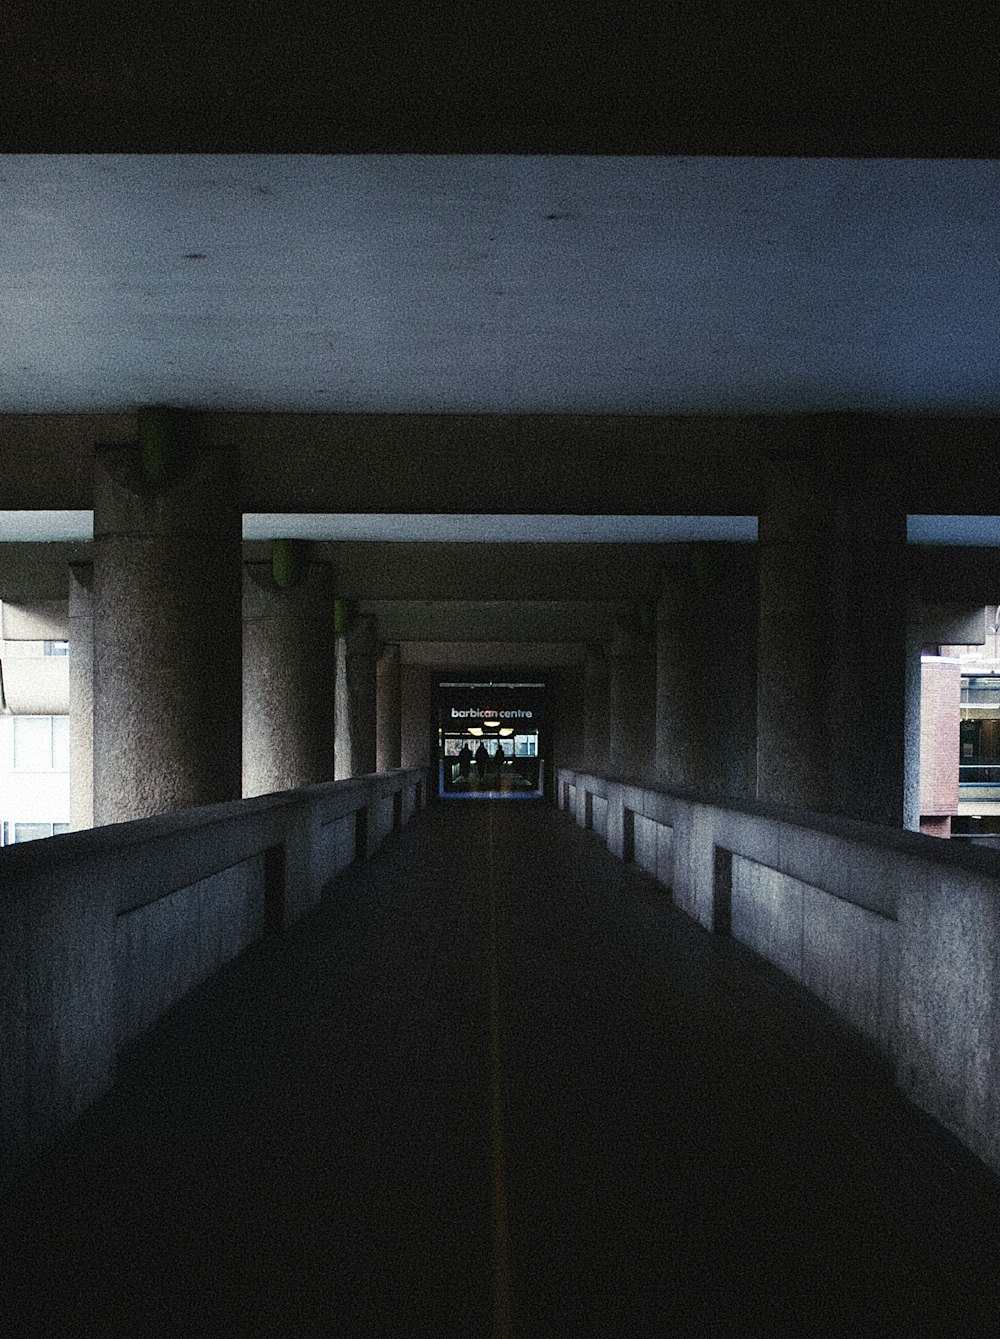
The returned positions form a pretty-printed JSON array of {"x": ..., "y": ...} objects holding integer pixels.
[{"x": 497, "y": 1086}]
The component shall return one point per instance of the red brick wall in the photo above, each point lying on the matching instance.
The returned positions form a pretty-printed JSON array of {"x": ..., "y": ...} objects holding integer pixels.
[{"x": 940, "y": 698}]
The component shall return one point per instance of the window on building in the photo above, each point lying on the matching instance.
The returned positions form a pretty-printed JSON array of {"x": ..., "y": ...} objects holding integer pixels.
[
  {"x": 30, "y": 832},
  {"x": 55, "y": 648},
  {"x": 41, "y": 744}
]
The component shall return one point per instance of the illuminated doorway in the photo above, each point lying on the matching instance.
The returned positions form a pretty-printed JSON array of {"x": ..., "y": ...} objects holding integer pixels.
[{"x": 491, "y": 740}]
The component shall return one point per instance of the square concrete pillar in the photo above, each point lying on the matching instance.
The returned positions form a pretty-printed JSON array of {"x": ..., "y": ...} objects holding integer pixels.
[
  {"x": 833, "y": 639},
  {"x": 706, "y": 670},
  {"x": 632, "y": 697},
  {"x": 388, "y": 738}
]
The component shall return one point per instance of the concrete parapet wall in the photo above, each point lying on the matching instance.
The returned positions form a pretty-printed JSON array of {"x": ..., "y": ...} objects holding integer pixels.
[
  {"x": 165, "y": 949},
  {"x": 101, "y": 932},
  {"x": 897, "y": 932}
]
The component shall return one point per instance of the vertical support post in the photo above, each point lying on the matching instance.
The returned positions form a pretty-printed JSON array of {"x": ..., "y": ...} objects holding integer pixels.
[
  {"x": 632, "y": 717},
  {"x": 832, "y": 669},
  {"x": 288, "y": 679},
  {"x": 388, "y": 750},
  {"x": 81, "y": 696},
  {"x": 596, "y": 707},
  {"x": 706, "y": 670},
  {"x": 167, "y": 629},
  {"x": 354, "y": 752}
]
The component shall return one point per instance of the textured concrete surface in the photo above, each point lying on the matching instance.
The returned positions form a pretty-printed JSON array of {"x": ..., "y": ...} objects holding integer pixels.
[
  {"x": 832, "y": 700},
  {"x": 34, "y": 685},
  {"x": 356, "y": 700},
  {"x": 388, "y": 741},
  {"x": 102, "y": 931},
  {"x": 80, "y": 633},
  {"x": 644, "y": 843},
  {"x": 167, "y": 636},
  {"x": 415, "y": 713},
  {"x": 288, "y": 679},
  {"x": 949, "y": 1007},
  {"x": 706, "y": 669},
  {"x": 497, "y": 1033},
  {"x": 896, "y": 932},
  {"x": 166, "y": 948},
  {"x": 816, "y": 306},
  {"x": 632, "y": 700},
  {"x": 41, "y": 621},
  {"x": 767, "y": 914},
  {"x": 56, "y": 1000},
  {"x": 596, "y": 706}
]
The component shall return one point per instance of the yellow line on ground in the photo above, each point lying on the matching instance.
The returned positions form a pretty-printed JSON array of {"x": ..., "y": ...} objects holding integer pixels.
[{"x": 503, "y": 1317}]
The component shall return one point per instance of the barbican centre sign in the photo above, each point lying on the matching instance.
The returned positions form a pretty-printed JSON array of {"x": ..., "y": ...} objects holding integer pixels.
[{"x": 480, "y": 713}]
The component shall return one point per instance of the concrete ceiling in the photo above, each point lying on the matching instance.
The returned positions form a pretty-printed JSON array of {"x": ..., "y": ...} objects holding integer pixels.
[{"x": 480, "y": 284}]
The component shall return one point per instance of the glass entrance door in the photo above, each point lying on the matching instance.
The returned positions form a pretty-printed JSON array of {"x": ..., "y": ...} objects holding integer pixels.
[
  {"x": 476, "y": 761},
  {"x": 490, "y": 741}
]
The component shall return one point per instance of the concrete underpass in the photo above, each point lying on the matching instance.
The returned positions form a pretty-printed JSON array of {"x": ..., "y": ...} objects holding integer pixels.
[{"x": 496, "y": 1084}]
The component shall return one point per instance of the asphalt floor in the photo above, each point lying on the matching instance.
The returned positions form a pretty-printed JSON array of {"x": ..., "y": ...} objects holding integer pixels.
[{"x": 497, "y": 1085}]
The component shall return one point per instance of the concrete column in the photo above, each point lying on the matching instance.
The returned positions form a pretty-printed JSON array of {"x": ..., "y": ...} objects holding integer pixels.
[
  {"x": 566, "y": 717},
  {"x": 388, "y": 740},
  {"x": 167, "y": 634},
  {"x": 706, "y": 670},
  {"x": 596, "y": 703},
  {"x": 81, "y": 696},
  {"x": 356, "y": 712},
  {"x": 632, "y": 696},
  {"x": 416, "y": 727},
  {"x": 289, "y": 663},
  {"x": 832, "y": 667}
]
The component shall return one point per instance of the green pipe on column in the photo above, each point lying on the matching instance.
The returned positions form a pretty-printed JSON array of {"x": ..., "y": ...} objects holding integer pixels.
[
  {"x": 164, "y": 442},
  {"x": 289, "y": 561}
]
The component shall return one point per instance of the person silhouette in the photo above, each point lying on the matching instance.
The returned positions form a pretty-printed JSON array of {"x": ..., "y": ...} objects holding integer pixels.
[
  {"x": 464, "y": 761},
  {"x": 482, "y": 757}
]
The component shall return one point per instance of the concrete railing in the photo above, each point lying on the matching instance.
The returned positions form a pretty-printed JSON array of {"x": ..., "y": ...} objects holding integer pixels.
[
  {"x": 102, "y": 931},
  {"x": 897, "y": 932}
]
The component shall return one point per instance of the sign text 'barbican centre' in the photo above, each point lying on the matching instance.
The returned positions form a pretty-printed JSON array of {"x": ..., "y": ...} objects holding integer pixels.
[{"x": 519, "y": 714}]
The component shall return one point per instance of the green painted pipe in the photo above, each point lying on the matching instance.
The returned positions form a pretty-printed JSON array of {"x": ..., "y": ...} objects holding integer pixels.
[
  {"x": 289, "y": 561},
  {"x": 161, "y": 443}
]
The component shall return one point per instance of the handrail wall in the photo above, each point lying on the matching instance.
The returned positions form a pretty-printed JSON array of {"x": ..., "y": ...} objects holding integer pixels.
[
  {"x": 102, "y": 931},
  {"x": 897, "y": 932}
]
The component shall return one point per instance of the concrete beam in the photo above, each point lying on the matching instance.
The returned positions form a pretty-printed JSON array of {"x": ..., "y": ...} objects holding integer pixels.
[
  {"x": 36, "y": 685},
  {"x": 488, "y": 655},
  {"x": 953, "y": 625},
  {"x": 46, "y": 621},
  {"x": 690, "y": 465},
  {"x": 492, "y": 620}
]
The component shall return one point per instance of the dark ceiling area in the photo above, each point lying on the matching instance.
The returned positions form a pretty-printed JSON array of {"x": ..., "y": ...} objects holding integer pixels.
[{"x": 611, "y": 77}]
